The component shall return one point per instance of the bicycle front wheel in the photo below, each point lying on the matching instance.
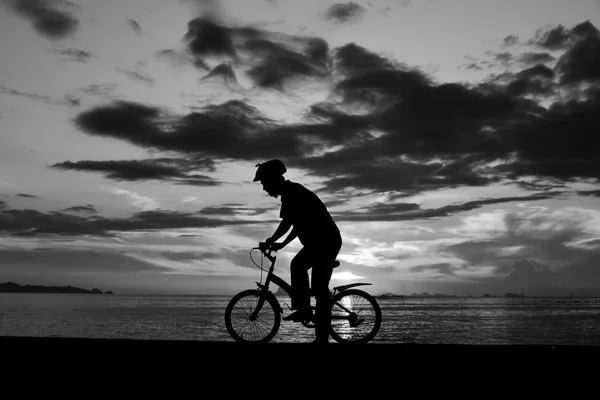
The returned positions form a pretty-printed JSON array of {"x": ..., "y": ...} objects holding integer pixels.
[
  {"x": 355, "y": 317},
  {"x": 252, "y": 317}
]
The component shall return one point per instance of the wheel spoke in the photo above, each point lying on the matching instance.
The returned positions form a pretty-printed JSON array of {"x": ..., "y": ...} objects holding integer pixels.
[
  {"x": 355, "y": 317},
  {"x": 238, "y": 320}
]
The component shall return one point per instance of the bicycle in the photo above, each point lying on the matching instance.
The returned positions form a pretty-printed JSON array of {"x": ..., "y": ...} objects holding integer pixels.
[{"x": 254, "y": 315}]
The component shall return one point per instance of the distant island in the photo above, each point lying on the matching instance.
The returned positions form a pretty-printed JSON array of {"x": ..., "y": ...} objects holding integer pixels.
[
  {"x": 389, "y": 295},
  {"x": 11, "y": 287},
  {"x": 416, "y": 295}
]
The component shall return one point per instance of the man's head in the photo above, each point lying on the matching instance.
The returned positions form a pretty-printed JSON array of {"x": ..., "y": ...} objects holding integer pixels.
[{"x": 270, "y": 174}]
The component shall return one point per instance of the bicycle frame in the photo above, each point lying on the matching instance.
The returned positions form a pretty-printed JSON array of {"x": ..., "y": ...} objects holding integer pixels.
[{"x": 272, "y": 278}]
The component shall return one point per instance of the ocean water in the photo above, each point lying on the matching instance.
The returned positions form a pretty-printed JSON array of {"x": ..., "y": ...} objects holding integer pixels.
[{"x": 454, "y": 321}]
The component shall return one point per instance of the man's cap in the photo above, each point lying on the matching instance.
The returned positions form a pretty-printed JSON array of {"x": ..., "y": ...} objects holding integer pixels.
[{"x": 268, "y": 169}]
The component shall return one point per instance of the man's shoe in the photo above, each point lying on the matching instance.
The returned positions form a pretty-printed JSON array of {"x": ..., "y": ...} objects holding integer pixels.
[{"x": 298, "y": 316}]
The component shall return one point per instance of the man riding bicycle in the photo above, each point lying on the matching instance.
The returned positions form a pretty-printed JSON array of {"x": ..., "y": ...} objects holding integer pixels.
[{"x": 311, "y": 223}]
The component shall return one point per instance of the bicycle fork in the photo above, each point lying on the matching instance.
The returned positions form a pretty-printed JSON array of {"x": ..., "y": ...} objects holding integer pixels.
[
  {"x": 254, "y": 315},
  {"x": 264, "y": 293}
]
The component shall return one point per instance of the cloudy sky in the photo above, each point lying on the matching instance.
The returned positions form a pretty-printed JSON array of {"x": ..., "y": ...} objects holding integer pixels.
[{"x": 449, "y": 139}]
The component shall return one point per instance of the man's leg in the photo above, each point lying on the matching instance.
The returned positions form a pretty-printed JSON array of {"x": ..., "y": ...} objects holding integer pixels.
[
  {"x": 321, "y": 276},
  {"x": 299, "y": 274}
]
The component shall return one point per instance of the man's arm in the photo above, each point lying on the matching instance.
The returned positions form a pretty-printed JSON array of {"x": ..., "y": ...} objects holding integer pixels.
[
  {"x": 283, "y": 227},
  {"x": 278, "y": 246},
  {"x": 293, "y": 235}
]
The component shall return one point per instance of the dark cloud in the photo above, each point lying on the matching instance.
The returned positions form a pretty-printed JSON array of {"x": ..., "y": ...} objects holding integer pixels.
[
  {"x": 76, "y": 55},
  {"x": 465, "y": 114},
  {"x": 567, "y": 131},
  {"x": 511, "y": 40},
  {"x": 352, "y": 59},
  {"x": 3, "y": 205},
  {"x": 50, "y": 18},
  {"x": 504, "y": 60},
  {"x": 139, "y": 76},
  {"x": 35, "y": 223},
  {"x": 396, "y": 130},
  {"x": 207, "y": 38},
  {"x": 172, "y": 170},
  {"x": 475, "y": 64},
  {"x": 32, "y": 223},
  {"x": 232, "y": 130},
  {"x": 162, "y": 219},
  {"x": 411, "y": 211},
  {"x": 87, "y": 209},
  {"x": 553, "y": 39},
  {"x": 279, "y": 64},
  {"x": 504, "y": 57},
  {"x": 538, "y": 71},
  {"x": 233, "y": 210},
  {"x": 585, "y": 30},
  {"x": 351, "y": 169},
  {"x": 536, "y": 80},
  {"x": 420, "y": 121},
  {"x": 391, "y": 208},
  {"x": 540, "y": 184},
  {"x": 560, "y": 38},
  {"x": 593, "y": 193},
  {"x": 272, "y": 60},
  {"x": 30, "y": 196},
  {"x": 533, "y": 58},
  {"x": 471, "y": 205},
  {"x": 581, "y": 62},
  {"x": 344, "y": 12}
]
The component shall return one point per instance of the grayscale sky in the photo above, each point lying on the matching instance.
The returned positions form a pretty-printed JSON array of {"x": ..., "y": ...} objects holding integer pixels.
[{"x": 449, "y": 139}]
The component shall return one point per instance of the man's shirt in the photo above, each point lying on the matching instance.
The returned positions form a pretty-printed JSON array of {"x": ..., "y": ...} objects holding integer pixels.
[{"x": 308, "y": 215}]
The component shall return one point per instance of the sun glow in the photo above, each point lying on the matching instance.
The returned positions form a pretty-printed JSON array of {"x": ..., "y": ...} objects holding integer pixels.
[{"x": 345, "y": 276}]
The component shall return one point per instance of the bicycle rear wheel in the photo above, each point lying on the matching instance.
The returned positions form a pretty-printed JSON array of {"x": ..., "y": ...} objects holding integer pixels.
[
  {"x": 245, "y": 327},
  {"x": 355, "y": 317}
]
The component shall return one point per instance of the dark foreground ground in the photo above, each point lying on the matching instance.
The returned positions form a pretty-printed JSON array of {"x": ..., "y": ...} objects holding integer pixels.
[
  {"x": 176, "y": 369},
  {"x": 177, "y": 351},
  {"x": 150, "y": 369}
]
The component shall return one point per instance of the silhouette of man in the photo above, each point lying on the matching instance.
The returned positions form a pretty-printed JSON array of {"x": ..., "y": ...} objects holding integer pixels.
[{"x": 311, "y": 223}]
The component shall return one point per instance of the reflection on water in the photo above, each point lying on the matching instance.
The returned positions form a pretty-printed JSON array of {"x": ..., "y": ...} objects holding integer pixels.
[
  {"x": 491, "y": 321},
  {"x": 457, "y": 321}
]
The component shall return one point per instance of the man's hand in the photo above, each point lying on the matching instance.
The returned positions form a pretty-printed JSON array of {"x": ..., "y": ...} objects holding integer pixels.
[
  {"x": 277, "y": 246},
  {"x": 266, "y": 245}
]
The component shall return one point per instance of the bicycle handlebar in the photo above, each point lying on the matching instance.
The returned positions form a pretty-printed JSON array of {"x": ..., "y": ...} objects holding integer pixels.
[{"x": 264, "y": 249}]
